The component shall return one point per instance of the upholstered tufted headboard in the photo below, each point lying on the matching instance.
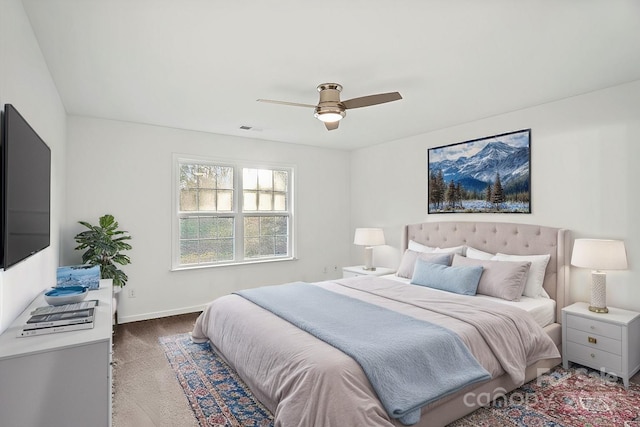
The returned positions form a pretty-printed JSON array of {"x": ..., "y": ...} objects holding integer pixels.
[{"x": 509, "y": 238}]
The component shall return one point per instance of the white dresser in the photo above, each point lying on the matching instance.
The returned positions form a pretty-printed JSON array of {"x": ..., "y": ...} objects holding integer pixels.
[
  {"x": 609, "y": 341},
  {"x": 61, "y": 379}
]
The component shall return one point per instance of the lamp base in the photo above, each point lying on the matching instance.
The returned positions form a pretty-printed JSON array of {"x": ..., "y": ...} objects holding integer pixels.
[
  {"x": 598, "y": 292},
  {"x": 368, "y": 259}
]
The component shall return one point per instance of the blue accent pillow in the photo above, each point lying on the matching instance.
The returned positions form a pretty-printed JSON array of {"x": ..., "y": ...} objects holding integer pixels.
[{"x": 460, "y": 280}]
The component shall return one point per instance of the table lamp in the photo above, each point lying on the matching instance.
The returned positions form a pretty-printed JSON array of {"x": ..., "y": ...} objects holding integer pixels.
[
  {"x": 599, "y": 254},
  {"x": 368, "y": 237}
]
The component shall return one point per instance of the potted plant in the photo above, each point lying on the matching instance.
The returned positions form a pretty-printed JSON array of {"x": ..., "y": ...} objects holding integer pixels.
[{"x": 103, "y": 244}]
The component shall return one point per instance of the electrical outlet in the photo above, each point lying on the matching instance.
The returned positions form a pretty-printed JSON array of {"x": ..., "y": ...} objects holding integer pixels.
[{"x": 131, "y": 293}]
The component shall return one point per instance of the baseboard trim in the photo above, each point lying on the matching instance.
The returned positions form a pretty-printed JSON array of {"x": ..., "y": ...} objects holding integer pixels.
[{"x": 159, "y": 314}]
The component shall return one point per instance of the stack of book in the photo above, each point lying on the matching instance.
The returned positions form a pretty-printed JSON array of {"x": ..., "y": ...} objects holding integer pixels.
[{"x": 61, "y": 318}]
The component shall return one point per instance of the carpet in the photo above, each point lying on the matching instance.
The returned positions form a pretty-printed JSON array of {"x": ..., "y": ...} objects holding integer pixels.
[{"x": 577, "y": 397}]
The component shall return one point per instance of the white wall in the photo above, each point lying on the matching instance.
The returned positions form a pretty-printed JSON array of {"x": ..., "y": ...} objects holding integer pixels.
[
  {"x": 585, "y": 174},
  {"x": 26, "y": 83},
  {"x": 126, "y": 169}
]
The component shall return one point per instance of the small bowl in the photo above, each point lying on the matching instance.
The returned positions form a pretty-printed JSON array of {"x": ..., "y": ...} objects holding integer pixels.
[{"x": 66, "y": 295}]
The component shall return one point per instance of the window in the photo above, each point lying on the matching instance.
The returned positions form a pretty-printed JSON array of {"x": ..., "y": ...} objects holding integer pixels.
[{"x": 232, "y": 213}]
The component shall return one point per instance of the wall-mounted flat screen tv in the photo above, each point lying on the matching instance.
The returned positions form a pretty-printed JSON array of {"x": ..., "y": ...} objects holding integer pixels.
[{"x": 26, "y": 189}]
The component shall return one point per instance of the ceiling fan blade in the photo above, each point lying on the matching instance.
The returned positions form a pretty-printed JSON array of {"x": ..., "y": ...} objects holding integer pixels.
[
  {"x": 294, "y": 104},
  {"x": 332, "y": 125},
  {"x": 366, "y": 101}
]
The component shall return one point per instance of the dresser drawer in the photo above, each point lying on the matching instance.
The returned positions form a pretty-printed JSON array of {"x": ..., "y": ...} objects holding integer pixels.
[
  {"x": 596, "y": 359},
  {"x": 595, "y": 327},
  {"x": 595, "y": 341}
]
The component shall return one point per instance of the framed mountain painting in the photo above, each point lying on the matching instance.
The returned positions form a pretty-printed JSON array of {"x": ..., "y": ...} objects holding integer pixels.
[{"x": 485, "y": 175}]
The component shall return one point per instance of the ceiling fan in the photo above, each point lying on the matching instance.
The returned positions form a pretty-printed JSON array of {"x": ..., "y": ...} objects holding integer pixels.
[{"x": 331, "y": 110}]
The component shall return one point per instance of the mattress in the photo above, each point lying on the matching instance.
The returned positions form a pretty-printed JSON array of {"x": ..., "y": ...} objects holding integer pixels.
[{"x": 543, "y": 310}]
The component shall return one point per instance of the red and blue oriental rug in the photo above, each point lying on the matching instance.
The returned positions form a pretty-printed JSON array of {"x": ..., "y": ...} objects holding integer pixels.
[
  {"x": 577, "y": 397},
  {"x": 216, "y": 394}
]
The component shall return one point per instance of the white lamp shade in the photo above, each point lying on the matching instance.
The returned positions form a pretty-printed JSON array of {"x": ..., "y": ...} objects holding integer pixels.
[
  {"x": 599, "y": 254},
  {"x": 369, "y": 237}
]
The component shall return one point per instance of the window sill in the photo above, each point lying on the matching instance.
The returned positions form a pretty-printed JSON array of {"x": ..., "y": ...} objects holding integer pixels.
[{"x": 232, "y": 264}]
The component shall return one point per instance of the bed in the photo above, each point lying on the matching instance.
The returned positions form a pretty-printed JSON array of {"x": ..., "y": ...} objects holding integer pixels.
[{"x": 304, "y": 381}]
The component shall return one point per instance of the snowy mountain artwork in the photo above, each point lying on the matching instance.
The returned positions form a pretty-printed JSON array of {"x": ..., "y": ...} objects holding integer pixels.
[
  {"x": 491, "y": 174},
  {"x": 79, "y": 275}
]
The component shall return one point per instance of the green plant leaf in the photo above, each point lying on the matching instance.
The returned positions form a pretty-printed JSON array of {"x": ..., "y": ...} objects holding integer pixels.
[{"x": 103, "y": 244}]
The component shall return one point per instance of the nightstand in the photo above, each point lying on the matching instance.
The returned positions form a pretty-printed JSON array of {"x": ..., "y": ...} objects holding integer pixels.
[
  {"x": 609, "y": 342},
  {"x": 358, "y": 270}
]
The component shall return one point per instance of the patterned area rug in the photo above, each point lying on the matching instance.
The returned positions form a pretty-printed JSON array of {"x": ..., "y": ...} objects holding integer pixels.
[
  {"x": 577, "y": 397},
  {"x": 217, "y": 395}
]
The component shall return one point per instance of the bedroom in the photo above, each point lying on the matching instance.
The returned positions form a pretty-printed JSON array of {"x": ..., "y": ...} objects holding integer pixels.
[{"x": 580, "y": 146}]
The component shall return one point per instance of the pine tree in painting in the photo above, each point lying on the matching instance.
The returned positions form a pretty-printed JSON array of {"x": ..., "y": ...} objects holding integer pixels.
[
  {"x": 459, "y": 195},
  {"x": 451, "y": 195},
  {"x": 437, "y": 189},
  {"x": 433, "y": 191},
  {"x": 497, "y": 198}
]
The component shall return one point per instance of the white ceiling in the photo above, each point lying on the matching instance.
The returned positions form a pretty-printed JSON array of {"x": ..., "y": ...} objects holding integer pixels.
[{"x": 201, "y": 64}]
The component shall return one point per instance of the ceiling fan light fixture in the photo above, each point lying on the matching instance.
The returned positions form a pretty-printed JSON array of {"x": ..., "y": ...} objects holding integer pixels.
[
  {"x": 330, "y": 109},
  {"x": 329, "y": 114},
  {"x": 329, "y": 117}
]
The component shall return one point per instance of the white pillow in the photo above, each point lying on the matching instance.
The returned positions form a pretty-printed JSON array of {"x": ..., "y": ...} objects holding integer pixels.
[
  {"x": 453, "y": 250},
  {"x": 478, "y": 254},
  {"x": 419, "y": 247},
  {"x": 535, "y": 279}
]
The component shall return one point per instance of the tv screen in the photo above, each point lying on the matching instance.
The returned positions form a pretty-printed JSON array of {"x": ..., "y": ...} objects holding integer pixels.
[{"x": 26, "y": 189}]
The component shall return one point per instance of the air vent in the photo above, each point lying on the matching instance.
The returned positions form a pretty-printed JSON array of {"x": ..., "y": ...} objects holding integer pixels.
[{"x": 251, "y": 128}]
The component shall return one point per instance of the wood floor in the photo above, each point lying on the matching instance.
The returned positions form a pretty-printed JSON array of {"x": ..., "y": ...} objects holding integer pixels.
[{"x": 146, "y": 392}]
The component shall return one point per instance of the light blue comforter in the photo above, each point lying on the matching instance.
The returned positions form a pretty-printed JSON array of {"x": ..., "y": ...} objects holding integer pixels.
[{"x": 409, "y": 362}]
